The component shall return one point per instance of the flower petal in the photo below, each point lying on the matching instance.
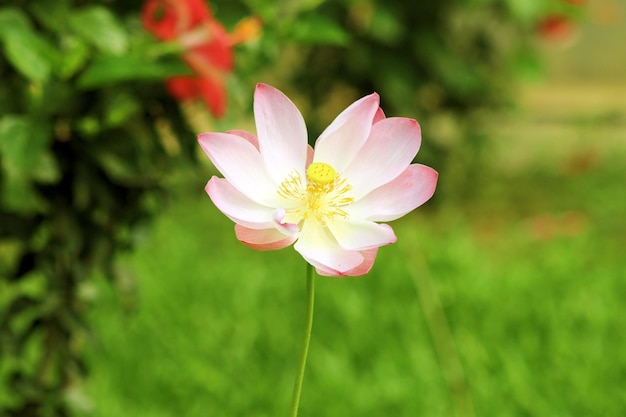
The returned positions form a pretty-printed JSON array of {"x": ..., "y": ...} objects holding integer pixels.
[
  {"x": 310, "y": 154},
  {"x": 341, "y": 141},
  {"x": 246, "y": 135},
  {"x": 216, "y": 49},
  {"x": 182, "y": 87},
  {"x": 393, "y": 200},
  {"x": 237, "y": 207},
  {"x": 263, "y": 239},
  {"x": 319, "y": 248},
  {"x": 368, "y": 260},
  {"x": 212, "y": 91},
  {"x": 241, "y": 164},
  {"x": 361, "y": 235},
  {"x": 281, "y": 131},
  {"x": 285, "y": 228},
  {"x": 380, "y": 115},
  {"x": 392, "y": 145}
]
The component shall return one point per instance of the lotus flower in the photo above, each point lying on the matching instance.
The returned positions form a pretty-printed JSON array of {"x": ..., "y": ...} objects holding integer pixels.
[{"x": 327, "y": 201}]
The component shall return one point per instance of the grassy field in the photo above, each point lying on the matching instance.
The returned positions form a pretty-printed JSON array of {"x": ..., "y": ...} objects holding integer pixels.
[{"x": 510, "y": 301}]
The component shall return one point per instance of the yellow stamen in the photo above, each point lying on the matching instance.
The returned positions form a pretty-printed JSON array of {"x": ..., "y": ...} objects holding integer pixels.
[
  {"x": 321, "y": 173},
  {"x": 321, "y": 197}
]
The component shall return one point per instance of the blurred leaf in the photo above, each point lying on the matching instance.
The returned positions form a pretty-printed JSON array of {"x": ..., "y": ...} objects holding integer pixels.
[
  {"x": 99, "y": 26},
  {"x": 11, "y": 20},
  {"x": 46, "y": 169},
  {"x": 18, "y": 195},
  {"x": 386, "y": 27},
  {"x": 75, "y": 55},
  {"x": 120, "y": 108},
  {"x": 30, "y": 54},
  {"x": 23, "y": 148},
  {"x": 51, "y": 14},
  {"x": 109, "y": 69},
  {"x": 526, "y": 10},
  {"x": 117, "y": 167},
  {"x": 318, "y": 29},
  {"x": 22, "y": 145}
]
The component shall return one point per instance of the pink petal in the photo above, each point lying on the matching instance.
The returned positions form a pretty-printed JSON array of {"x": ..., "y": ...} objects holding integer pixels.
[
  {"x": 281, "y": 131},
  {"x": 393, "y": 200},
  {"x": 247, "y": 136},
  {"x": 264, "y": 239},
  {"x": 319, "y": 248},
  {"x": 237, "y": 207},
  {"x": 288, "y": 229},
  {"x": 392, "y": 145},
  {"x": 380, "y": 115},
  {"x": 368, "y": 260},
  {"x": 240, "y": 163},
  {"x": 341, "y": 141},
  {"x": 310, "y": 154},
  {"x": 361, "y": 235}
]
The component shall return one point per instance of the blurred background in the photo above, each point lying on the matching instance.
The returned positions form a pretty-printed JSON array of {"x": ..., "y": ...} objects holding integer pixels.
[{"x": 123, "y": 290}]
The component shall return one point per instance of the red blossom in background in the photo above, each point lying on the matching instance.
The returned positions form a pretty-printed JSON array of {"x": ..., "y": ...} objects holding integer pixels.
[
  {"x": 168, "y": 19},
  {"x": 208, "y": 48},
  {"x": 559, "y": 27},
  {"x": 556, "y": 28}
]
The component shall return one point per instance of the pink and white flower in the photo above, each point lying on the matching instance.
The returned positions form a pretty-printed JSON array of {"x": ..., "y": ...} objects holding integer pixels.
[{"x": 278, "y": 190}]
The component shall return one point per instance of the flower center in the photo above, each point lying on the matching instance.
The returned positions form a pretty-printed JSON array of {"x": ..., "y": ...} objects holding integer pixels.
[
  {"x": 321, "y": 173},
  {"x": 321, "y": 197}
]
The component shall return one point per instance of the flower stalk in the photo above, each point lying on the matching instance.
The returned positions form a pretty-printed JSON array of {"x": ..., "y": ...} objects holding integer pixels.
[{"x": 310, "y": 299}]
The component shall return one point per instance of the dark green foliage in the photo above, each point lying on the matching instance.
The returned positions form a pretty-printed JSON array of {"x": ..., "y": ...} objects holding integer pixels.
[{"x": 82, "y": 167}]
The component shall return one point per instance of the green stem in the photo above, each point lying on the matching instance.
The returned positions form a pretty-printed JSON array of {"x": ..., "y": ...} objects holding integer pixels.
[{"x": 310, "y": 297}]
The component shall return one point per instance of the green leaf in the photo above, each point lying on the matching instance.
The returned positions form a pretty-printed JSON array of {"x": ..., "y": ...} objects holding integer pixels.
[
  {"x": 46, "y": 169},
  {"x": 75, "y": 55},
  {"x": 119, "y": 109},
  {"x": 318, "y": 29},
  {"x": 29, "y": 54},
  {"x": 526, "y": 10},
  {"x": 12, "y": 19},
  {"x": 51, "y": 14},
  {"x": 18, "y": 195},
  {"x": 98, "y": 26},
  {"x": 111, "y": 69},
  {"x": 23, "y": 144}
]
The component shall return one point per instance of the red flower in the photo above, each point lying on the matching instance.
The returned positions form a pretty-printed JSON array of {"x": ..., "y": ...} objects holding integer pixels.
[
  {"x": 168, "y": 19},
  {"x": 208, "y": 49},
  {"x": 556, "y": 28}
]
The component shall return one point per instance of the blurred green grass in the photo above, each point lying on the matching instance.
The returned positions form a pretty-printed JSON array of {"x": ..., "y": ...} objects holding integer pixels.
[{"x": 528, "y": 264}]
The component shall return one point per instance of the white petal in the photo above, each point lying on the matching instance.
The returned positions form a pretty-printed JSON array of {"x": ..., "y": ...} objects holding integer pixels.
[
  {"x": 237, "y": 207},
  {"x": 392, "y": 145},
  {"x": 247, "y": 136},
  {"x": 393, "y": 200},
  {"x": 361, "y": 235},
  {"x": 288, "y": 229},
  {"x": 319, "y": 248},
  {"x": 240, "y": 163},
  {"x": 341, "y": 141},
  {"x": 368, "y": 261},
  {"x": 281, "y": 132},
  {"x": 264, "y": 239}
]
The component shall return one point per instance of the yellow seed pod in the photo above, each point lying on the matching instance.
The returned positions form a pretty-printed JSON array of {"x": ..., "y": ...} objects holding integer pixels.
[{"x": 321, "y": 173}]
